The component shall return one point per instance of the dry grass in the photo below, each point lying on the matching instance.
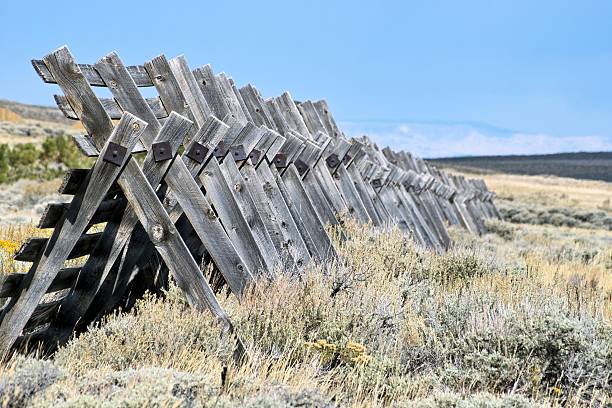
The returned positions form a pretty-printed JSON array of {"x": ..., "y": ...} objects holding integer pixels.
[
  {"x": 549, "y": 190},
  {"x": 518, "y": 317}
]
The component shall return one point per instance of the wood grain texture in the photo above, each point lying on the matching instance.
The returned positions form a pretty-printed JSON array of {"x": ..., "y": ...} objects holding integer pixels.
[
  {"x": 79, "y": 94},
  {"x": 243, "y": 197},
  {"x": 346, "y": 186},
  {"x": 112, "y": 108},
  {"x": 63, "y": 240},
  {"x": 33, "y": 248},
  {"x": 137, "y": 72},
  {"x": 256, "y": 106},
  {"x": 11, "y": 284},
  {"x": 93, "y": 281},
  {"x": 208, "y": 228},
  {"x": 303, "y": 211},
  {"x": 190, "y": 89},
  {"x": 172, "y": 248},
  {"x": 293, "y": 240},
  {"x": 218, "y": 191},
  {"x": 210, "y": 89}
]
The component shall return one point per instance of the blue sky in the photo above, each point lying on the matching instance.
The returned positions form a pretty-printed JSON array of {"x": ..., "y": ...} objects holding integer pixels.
[{"x": 435, "y": 77}]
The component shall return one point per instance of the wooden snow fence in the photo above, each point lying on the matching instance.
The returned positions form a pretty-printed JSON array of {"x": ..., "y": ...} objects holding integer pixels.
[{"x": 206, "y": 172}]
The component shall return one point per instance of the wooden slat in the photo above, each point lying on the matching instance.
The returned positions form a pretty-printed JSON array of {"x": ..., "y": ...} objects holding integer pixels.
[
  {"x": 191, "y": 90},
  {"x": 64, "y": 279},
  {"x": 346, "y": 186},
  {"x": 33, "y": 248},
  {"x": 125, "y": 92},
  {"x": 64, "y": 239},
  {"x": 74, "y": 178},
  {"x": 137, "y": 72},
  {"x": 305, "y": 215},
  {"x": 220, "y": 195},
  {"x": 208, "y": 228},
  {"x": 81, "y": 97},
  {"x": 256, "y": 106},
  {"x": 111, "y": 107},
  {"x": 111, "y": 246},
  {"x": 53, "y": 212},
  {"x": 172, "y": 248},
  {"x": 210, "y": 89}
]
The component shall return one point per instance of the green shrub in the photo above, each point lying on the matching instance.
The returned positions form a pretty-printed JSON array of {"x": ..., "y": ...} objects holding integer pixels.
[{"x": 26, "y": 160}]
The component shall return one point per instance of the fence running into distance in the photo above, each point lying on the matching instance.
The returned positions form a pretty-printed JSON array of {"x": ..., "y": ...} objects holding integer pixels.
[{"x": 206, "y": 172}]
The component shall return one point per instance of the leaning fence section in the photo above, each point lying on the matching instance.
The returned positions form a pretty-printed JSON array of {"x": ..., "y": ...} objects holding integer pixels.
[{"x": 206, "y": 171}]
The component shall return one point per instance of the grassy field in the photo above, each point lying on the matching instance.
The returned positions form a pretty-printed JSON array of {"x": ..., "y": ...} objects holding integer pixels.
[
  {"x": 590, "y": 166},
  {"x": 518, "y": 317}
]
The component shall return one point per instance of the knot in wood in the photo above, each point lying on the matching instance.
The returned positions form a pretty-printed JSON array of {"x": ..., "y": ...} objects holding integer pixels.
[
  {"x": 158, "y": 233},
  {"x": 136, "y": 126},
  {"x": 169, "y": 202},
  {"x": 240, "y": 267},
  {"x": 160, "y": 78},
  {"x": 113, "y": 84},
  {"x": 211, "y": 214},
  {"x": 267, "y": 186}
]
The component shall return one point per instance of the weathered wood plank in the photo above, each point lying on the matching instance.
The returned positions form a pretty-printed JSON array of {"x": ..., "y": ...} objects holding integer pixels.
[
  {"x": 305, "y": 215},
  {"x": 210, "y": 89},
  {"x": 256, "y": 106},
  {"x": 208, "y": 228},
  {"x": 220, "y": 195},
  {"x": 190, "y": 89},
  {"x": 137, "y": 72},
  {"x": 33, "y": 248},
  {"x": 11, "y": 284},
  {"x": 364, "y": 193},
  {"x": 293, "y": 240},
  {"x": 248, "y": 208},
  {"x": 111, "y": 107},
  {"x": 173, "y": 250},
  {"x": 346, "y": 186},
  {"x": 53, "y": 212},
  {"x": 63, "y": 240},
  {"x": 93, "y": 278},
  {"x": 81, "y": 97}
]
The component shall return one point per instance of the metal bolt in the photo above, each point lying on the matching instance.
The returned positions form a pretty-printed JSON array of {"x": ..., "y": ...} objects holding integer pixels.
[
  {"x": 136, "y": 126},
  {"x": 237, "y": 187},
  {"x": 115, "y": 153},
  {"x": 113, "y": 84},
  {"x": 157, "y": 232}
]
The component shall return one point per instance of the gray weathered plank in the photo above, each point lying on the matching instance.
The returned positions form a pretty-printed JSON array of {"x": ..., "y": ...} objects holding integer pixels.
[{"x": 82, "y": 208}]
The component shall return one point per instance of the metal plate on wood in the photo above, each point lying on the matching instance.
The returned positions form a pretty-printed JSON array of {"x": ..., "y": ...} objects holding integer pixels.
[
  {"x": 220, "y": 150},
  {"x": 238, "y": 153},
  {"x": 301, "y": 167},
  {"x": 254, "y": 156},
  {"x": 115, "y": 154},
  {"x": 332, "y": 161},
  {"x": 197, "y": 152},
  {"x": 162, "y": 151},
  {"x": 280, "y": 160},
  {"x": 377, "y": 183}
]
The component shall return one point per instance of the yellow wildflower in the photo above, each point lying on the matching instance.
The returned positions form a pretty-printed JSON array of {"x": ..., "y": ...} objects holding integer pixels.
[
  {"x": 356, "y": 347},
  {"x": 8, "y": 246}
]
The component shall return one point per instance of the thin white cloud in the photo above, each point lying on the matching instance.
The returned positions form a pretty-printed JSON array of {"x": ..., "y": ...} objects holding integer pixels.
[{"x": 444, "y": 140}]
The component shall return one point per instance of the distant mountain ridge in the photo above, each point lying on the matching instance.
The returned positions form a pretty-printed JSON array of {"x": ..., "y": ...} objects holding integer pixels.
[
  {"x": 581, "y": 165},
  {"x": 36, "y": 112}
]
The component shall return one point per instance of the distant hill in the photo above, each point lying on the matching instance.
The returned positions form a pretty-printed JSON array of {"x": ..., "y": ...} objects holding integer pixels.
[
  {"x": 591, "y": 166},
  {"x": 35, "y": 112}
]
